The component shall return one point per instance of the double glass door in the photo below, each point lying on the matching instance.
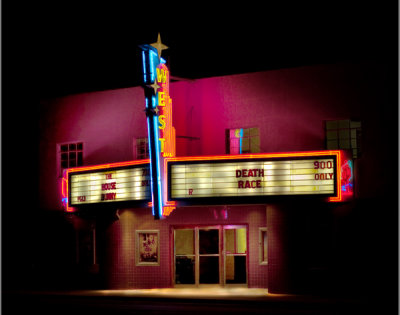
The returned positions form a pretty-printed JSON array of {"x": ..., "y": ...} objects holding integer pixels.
[{"x": 213, "y": 255}]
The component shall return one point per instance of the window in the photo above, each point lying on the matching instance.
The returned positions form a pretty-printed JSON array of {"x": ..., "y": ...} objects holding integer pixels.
[
  {"x": 142, "y": 149},
  {"x": 263, "y": 246},
  {"x": 242, "y": 141},
  {"x": 70, "y": 155},
  {"x": 343, "y": 134}
]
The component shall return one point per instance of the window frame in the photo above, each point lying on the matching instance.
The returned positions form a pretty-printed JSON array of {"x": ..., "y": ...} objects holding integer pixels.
[
  {"x": 59, "y": 152},
  {"x": 344, "y": 134},
  {"x": 136, "y": 148},
  {"x": 261, "y": 246},
  {"x": 243, "y": 137}
]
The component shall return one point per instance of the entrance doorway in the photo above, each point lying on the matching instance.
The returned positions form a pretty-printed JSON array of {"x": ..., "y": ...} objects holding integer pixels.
[{"x": 210, "y": 255}]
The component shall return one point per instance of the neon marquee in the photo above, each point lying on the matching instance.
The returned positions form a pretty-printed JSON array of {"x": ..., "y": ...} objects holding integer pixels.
[
  {"x": 248, "y": 176},
  {"x": 105, "y": 183},
  {"x": 323, "y": 173}
]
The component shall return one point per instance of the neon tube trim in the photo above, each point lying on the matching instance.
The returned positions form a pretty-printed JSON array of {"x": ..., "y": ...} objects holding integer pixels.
[
  {"x": 64, "y": 182},
  {"x": 152, "y": 55},
  {"x": 336, "y": 153},
  {"x": 151, "y": 169},
  {"x": 144, "y": 65},
  {"x": 241, "y": 141},
  {"x": 157, "y": 142}
]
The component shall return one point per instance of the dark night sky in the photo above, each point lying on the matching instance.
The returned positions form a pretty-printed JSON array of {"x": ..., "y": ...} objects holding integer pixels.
[{"x": 87, "y": 48}]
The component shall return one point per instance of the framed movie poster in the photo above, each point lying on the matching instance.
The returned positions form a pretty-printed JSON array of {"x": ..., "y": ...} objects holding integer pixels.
[{"x": 147, "y": 248}]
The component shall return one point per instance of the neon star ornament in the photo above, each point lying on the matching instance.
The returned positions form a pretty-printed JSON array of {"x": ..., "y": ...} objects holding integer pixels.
[
  {"x": 159, "y": 46},
  {"x": 154, "y": 86}
]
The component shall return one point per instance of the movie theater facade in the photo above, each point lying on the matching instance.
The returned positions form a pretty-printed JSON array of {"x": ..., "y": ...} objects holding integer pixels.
[{"x": 224, "y": 181}]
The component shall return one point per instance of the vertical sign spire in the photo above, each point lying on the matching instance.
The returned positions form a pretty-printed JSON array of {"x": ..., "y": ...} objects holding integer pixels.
[{"x": 159, "y": 122}]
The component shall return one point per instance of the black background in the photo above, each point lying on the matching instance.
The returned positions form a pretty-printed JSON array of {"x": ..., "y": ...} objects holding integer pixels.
[{"x": 51, "y": 49}]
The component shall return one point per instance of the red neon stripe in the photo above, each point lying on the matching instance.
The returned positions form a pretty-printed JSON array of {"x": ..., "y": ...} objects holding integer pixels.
[
  {"x": 336, "y": 153},
  {"x": 338, "y": 197}
]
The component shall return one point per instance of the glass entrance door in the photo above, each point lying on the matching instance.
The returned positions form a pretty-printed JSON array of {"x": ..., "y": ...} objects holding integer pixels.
[
  {"x": 215, "y": 255},
  {"x": 209, "y": 255},
  {"x": 185, "y": 256},
  {"x": 235, "y": 255}
]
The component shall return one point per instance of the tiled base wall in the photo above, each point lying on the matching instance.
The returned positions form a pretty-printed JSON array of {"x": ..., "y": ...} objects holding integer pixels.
[{"x": 120, "y": 267}]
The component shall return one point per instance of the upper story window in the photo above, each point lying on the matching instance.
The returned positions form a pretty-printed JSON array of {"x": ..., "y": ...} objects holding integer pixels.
[
  {"x": 70, "y": 155},
  {"x": 239, "y": 141},
  {"x": 343, "y": 134},
  {"x": 141, "y": 151}
]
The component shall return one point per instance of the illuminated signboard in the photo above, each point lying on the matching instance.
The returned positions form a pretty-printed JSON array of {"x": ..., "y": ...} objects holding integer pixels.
[
  {"x": 106, "y": 183},
  {"x": 260, "y": 175},
  {"x": 220, "y": 178},
  {"x": 132, "y": 184},
  {"x": 166, "y": 130}
]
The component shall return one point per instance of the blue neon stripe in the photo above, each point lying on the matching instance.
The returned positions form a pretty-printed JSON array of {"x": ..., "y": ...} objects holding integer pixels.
[
  {"x": 151, "y": 171},
  {"x": 240, "y": 141},
  {"x": 155, "y": 122},
  {"x": 151, "y": 68},
  {"x": 144, "y": 65},
  {"x": 153, "y": 65}
]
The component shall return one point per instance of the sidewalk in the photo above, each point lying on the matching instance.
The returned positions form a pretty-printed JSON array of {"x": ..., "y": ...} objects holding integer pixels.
[
  {"x": 182, "y": 293},
  {"x": 176, "y": 301},
  {"x": 206, "y": 293}
]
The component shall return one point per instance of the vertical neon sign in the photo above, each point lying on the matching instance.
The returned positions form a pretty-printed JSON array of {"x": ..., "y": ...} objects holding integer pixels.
[{"x": 159, "y": 122}]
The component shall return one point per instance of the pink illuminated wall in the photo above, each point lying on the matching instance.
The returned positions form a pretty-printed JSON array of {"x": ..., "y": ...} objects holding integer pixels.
[
  {"x": 288, "y": 106},
  {"x": 106, "y": 122}
]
